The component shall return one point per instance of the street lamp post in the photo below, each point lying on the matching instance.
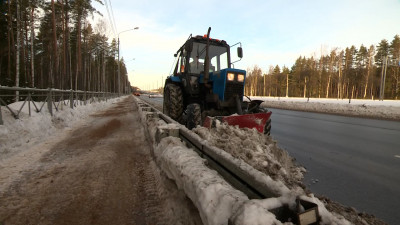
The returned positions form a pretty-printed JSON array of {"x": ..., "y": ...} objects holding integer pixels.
[{"x": 119, "y": 72}]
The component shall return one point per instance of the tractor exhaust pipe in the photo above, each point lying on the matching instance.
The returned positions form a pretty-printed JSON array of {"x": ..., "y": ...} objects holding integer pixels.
[{"x": 207, "y": 61}]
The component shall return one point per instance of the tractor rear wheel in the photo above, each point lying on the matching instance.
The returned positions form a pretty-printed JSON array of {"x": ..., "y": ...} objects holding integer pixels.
[
  {"x": 193, "y": 112},
  {"x": 173, "y": 101}
]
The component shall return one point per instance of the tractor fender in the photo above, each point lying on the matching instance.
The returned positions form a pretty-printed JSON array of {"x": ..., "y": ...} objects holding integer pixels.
[{"x": 175, "y": 79}]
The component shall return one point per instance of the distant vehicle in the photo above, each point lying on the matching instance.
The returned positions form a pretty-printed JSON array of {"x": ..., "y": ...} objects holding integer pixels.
[
  {"x": 136, "y": 93},
  {"x": 155, "y": 96}
]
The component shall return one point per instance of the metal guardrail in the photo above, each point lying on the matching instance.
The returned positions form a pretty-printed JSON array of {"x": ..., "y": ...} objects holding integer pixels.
[
  {"x": 54, "y": 99},
  {"x": 235, "y": 176}
]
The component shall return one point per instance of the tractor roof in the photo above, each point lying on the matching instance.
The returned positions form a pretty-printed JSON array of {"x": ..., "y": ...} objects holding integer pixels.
[{"x": 203, "y": 39}]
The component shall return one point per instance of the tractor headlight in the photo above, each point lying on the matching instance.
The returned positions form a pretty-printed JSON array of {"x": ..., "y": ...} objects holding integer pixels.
[
  {"x": 230, "y": 76},
  {"x": 240, "y": 78}
]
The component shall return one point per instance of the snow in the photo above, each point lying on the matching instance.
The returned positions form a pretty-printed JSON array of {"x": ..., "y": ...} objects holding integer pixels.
[
  {"x": 395, "y": 103},
  {"x": 17, "y": 134},
  {"x": 257, "y": 149},
  {"x": 387, "y": 109},
  {"x": 212, "y": 195}
]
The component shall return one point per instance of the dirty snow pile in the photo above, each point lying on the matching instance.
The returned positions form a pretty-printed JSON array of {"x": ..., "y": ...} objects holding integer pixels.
[
  {"x": 255, "y": 148},
  {"x": 17, "y": 134},
  {"x": 387, "y": 109},
  {"x": 216, "y": 200}
]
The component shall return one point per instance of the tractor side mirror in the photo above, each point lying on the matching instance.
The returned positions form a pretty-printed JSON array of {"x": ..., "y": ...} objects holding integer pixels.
[
  {"x": 240, "y": 52},
  {"x": 175, "y": 55}
]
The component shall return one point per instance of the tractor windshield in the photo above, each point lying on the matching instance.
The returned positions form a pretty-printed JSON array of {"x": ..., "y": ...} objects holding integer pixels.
[{"x": 218, "y": 58}]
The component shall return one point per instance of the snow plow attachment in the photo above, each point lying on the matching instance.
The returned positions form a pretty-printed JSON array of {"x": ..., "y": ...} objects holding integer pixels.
[{"x": 260, "y": 121}]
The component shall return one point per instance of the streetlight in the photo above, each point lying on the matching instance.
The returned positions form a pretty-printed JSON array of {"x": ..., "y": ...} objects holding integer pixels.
[{"x": 119, "y": 73}]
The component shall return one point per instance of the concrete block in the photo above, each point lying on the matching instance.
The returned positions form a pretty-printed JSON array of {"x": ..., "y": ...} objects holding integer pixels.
[
  {"x": 151, "y": 115},
  {"x": 163, "y": 132},
  {"x": 146, "y": 109}
]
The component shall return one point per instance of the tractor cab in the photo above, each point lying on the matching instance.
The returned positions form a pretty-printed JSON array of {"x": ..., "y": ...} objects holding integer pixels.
[
  {"x": 191, "y": 56},
  {"x": 212, "y": 82}
]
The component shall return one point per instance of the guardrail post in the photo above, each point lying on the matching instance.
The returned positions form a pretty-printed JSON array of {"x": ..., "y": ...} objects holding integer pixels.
[
  {"x": 29, "y": 103},
  {"x": 1, "y": 117},
  {"x": 71, "y": 99},
  {"x": 84, "y": 97},
  {"x": 49, "y": 103}
]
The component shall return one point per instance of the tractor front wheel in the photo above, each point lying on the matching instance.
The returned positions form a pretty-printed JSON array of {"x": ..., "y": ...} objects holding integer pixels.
[
  {"x": 173, "y": 101},
  {"x": 193, "y": 115}
]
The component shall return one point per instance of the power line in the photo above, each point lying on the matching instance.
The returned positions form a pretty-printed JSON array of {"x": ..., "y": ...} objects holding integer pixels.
[
  {"x": 112, "y": 14},
  {"x": 110, "y": 19}
]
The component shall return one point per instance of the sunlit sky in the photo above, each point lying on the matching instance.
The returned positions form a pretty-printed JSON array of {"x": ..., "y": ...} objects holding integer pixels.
[{"x": 272, "y": 32}]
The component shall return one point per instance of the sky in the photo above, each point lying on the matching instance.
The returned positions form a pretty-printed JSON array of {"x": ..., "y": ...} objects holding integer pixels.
[{"x": 272, "y": 32}]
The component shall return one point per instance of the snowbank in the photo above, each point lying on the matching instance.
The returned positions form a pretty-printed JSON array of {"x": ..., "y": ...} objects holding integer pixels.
[
  {"x": 387, "y": 109},
  {"x": 214, "y": 197},
  {"x": 257, "y": 149},
  {"x": 17, "y": 134}
]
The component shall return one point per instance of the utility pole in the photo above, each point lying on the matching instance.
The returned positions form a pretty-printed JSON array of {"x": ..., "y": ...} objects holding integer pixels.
[
  {"x": 383, "y": 78},
  {"x": 287, "y": 85}
]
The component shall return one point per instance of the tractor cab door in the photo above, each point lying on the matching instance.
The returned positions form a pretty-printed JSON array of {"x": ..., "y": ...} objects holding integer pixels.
[
  {"x": 189, "y": 80},
  {"x": 180, "y": 66}
]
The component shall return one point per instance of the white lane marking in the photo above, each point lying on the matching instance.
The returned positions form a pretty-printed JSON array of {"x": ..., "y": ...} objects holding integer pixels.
[{"x": 397, "y": 156}]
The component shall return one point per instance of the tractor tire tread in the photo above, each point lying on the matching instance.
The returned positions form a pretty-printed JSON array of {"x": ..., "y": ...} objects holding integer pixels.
[
  {"x": 193, "y": 115},
  {"x": 173, "y": 101}
]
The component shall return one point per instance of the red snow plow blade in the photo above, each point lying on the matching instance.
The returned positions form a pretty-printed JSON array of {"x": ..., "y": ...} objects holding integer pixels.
[{"x": 256, "y": 120}]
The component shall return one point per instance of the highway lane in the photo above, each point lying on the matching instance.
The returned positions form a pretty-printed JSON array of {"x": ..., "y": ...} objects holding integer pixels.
[
  {"x": 353, "y": 161},
  {"x": 156, "y": 102}
]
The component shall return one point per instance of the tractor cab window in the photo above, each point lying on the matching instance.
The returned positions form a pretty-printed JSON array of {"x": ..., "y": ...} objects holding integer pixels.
[
  {"x": 219, "y": 61},
  {"x": 218, "y": 58}
]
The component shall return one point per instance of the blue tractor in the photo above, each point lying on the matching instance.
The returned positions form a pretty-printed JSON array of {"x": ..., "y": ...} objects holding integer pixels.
[{"x": 204, "y": 87}]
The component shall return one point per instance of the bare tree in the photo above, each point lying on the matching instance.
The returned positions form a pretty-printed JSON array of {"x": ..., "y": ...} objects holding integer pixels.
[
  {"x": 55, "y": 59},
  {"x": 371, "y": 53},
  {"x": 32, "y": 21}
]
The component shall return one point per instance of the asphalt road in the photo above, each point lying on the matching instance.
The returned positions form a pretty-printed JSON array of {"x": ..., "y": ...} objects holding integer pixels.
[
  {"x": 156, "y": 101},
  {"x": 353, "y": 161}
]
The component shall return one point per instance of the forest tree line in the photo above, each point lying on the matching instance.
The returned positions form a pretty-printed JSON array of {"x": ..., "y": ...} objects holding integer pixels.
[
  {"x": 349, "y": 73},
  {"x": 52, "y": 44}
]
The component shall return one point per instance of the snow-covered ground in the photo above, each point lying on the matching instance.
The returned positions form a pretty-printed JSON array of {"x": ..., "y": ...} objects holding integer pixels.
[
  {"x": 387, "y": 109},
  {"x": 17, "y": 135}
]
